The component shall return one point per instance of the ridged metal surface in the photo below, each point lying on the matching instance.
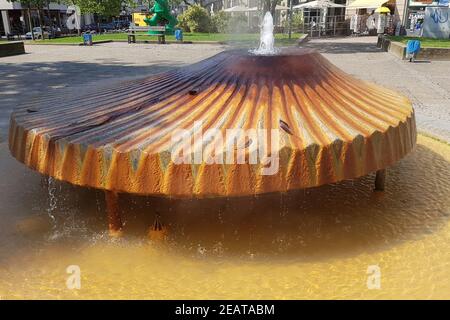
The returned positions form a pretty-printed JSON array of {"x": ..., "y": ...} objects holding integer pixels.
[{"x": 332, "y": 127}]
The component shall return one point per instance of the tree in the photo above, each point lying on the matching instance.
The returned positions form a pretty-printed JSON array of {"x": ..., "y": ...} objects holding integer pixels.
[
  {"x": 270, "y": 5},
  {"x": 220, "y": 22},
  {"x": 195, "y": 19},
  {"x": 106, "y": 8}
]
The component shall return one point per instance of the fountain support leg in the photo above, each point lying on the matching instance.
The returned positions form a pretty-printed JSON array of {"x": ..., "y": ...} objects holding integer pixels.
[
  {"x": 112, "y": 210},
  {"x": 380, "y": 180}
]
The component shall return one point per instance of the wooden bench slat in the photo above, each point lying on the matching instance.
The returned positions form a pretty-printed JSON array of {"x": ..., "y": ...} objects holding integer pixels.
[
  {"x": 161, "y": 35},
  {"x": 148, "y": 28}
]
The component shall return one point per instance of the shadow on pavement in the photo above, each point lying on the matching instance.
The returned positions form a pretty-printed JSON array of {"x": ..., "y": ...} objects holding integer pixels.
[
  {"x": 422, "y": 61},
  {"x": 20, "y": 82},
  {"x": 337, "y": 47}
]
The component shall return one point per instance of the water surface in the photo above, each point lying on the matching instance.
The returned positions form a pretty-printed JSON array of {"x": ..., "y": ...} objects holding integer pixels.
[{"x": 314, "y": 243}]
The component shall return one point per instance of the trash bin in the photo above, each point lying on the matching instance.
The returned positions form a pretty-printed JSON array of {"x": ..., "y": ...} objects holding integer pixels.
[
  {"x": 412, "y": 49},
  {"x": 87, "y": 39},
  {"x": 179, "y": 35}
]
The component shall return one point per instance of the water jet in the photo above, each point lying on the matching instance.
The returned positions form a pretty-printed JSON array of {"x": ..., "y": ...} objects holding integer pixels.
[{"x": 267, "y": 39}]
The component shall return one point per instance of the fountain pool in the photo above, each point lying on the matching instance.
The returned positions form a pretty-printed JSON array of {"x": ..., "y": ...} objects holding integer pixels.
[{"x": 314, "y": 243}]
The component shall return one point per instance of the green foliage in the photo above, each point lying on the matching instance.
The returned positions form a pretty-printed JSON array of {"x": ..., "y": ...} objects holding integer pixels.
[
  {"x": 106, "y": 8},
  {"x": 238, "y": 23},
  {"x": 297, "y": 21},
  {"x": 34, "y": 3},
  {"x": 220, "y": 22},
  {"x": 195, "y": 19},
  {"x": 182, "y": 22}
]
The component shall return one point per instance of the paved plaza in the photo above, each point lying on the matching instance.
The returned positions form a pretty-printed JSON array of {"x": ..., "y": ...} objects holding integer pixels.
[
  {"x": 45, "y": 69},
  {"x": 426, "y": 83}
]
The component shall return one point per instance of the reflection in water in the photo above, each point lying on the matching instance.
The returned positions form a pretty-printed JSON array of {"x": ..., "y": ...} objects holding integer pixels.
[{"x": 313, "y": 243}]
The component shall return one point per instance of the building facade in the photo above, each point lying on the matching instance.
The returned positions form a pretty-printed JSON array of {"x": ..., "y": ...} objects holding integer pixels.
[
  {"x": 17, "y": 19},
  {"x": 280, "y": 15},
  {"x": 398, "y": 9}
]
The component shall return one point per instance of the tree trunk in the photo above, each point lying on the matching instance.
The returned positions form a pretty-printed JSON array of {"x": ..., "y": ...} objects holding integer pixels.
[
  {"x": 59, "y": 21},
  {"x": 273, "y": 5},
  {"x": 290, "y": 18},
  {"x": 40, "y": 23},
  {"x": 50, "y": 21},
  {"x": 265, "y": 6},
  {"x": 270, "y": 5},
  {"x": 31, "y": 24}
]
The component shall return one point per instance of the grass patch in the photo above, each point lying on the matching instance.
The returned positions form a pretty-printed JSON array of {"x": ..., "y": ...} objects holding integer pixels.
[
  {"x": 424, "y": 42},
  {"x": 247, "y": 38}
]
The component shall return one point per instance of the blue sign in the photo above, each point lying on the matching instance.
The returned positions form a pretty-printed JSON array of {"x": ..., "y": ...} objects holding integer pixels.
[{"x": 443, "y": 3}]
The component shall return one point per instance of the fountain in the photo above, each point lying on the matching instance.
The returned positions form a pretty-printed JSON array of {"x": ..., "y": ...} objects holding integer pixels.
[
  {"x": 267, "y": 40},
  {"x": 329, "y": 127}
]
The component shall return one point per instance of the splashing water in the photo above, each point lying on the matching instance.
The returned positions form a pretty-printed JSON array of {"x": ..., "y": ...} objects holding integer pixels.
[
  {"x": 267, "y": 40},
  {"x": 52, "y": 200},
  {"x": 329, "y": 235}
]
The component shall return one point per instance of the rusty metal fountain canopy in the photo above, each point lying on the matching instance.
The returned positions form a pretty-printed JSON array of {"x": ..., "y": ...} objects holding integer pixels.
[{"x": 332, "y": 127}]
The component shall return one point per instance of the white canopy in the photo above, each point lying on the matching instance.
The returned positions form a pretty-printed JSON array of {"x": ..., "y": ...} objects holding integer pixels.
[
  {"x": 238, "y": 9},
  {"x": 245, "y": 9},
  {"x": 318, "y": 4},
  {"x": 278, "y": 7},
  {"x": 366, "y": 4}
]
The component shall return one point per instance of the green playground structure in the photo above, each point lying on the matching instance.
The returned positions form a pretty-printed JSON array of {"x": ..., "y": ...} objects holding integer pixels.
[{"x": 161, "y": 17}]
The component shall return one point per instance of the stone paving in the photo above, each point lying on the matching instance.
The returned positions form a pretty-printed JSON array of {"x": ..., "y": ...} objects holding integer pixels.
[
  {"x": 47, "y": 69},
  {"x": 426, "y": 83}
]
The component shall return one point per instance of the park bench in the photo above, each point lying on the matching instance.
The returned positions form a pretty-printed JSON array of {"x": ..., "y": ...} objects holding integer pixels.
[{"x": 159, "y": 31}]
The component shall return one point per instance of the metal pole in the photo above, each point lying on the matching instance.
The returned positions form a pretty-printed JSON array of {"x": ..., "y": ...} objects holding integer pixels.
[
  {"x": 320, "y": 20},
  {"x": 334, "y": 26},
  {"x": 303, "y": 22}
]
